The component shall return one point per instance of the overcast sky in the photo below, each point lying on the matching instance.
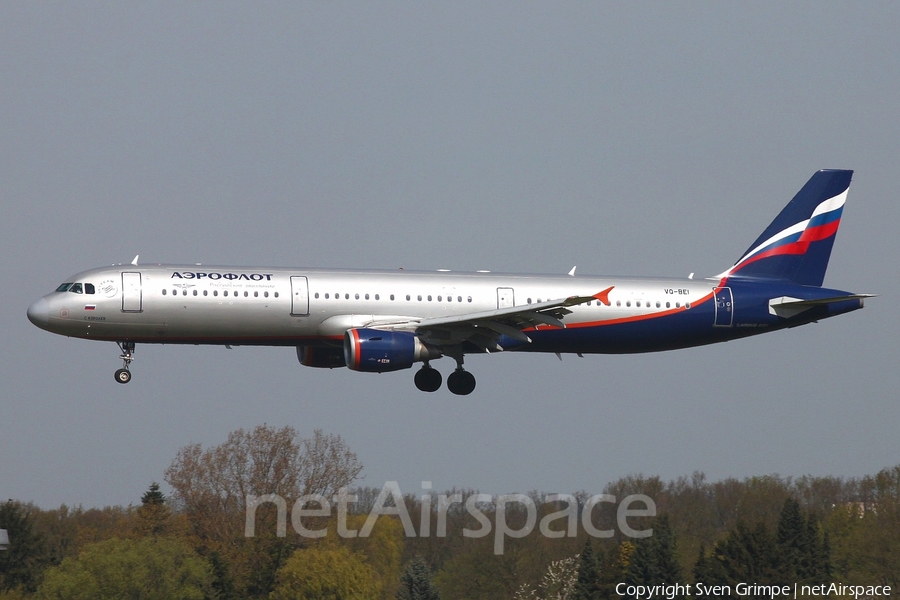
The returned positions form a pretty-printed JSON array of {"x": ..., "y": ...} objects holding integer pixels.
[{"x": 625, "y": 138}]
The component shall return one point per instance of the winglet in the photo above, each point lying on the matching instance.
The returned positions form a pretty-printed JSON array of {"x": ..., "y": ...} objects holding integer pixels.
[
  {"x": 572, "y": 272},
  {"x": 134, "y": 262},
  {"x": 604, "y": 295}
]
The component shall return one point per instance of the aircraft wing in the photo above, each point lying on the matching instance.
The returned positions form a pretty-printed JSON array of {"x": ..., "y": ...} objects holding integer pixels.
[{"x": 484, "y": 328}]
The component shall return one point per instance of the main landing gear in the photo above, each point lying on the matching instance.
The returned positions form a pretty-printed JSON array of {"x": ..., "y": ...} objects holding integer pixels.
[
  {"x": 428, "y": 379},
  {"x": 460, "y": 382},
  {"x": 123, "y": 375}
]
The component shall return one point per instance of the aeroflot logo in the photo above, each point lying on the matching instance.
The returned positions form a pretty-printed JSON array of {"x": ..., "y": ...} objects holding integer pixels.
[{"x": 227, "y": 276}]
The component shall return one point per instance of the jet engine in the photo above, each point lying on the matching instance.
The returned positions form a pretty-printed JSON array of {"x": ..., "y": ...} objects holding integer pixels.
[
  {"x": 375, "y": 351},
  {"x": 321, "y": 357}
]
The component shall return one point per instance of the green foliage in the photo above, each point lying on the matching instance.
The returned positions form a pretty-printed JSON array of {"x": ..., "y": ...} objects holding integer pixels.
[
  {"x": 326, "y": 572},
  {"x": 148, "y": 568},
  {"x": 153, "y": 496},
  {"x": 795, "y": 551},
  {"x": 22, "y": 563},
  {"x": 416, "y": 582},
  {"x": 587, "y": 586},
  {"x": 655, "y": 559},
  {"x": 153, "y": 515}
]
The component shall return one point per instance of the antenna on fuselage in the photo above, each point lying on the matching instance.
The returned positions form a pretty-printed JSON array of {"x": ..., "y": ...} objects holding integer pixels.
[{"x": 134, "y": 262}]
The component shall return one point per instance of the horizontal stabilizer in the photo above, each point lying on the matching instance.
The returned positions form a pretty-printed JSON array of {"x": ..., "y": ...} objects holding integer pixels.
[{"x": 786, "y": 307}]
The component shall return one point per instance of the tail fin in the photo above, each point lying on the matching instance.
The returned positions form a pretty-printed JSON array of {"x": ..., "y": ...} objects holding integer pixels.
[{"x": 797, "y": 245}]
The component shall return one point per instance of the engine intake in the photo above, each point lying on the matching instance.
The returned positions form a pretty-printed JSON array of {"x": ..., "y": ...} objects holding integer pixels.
[{"x": 375, "y": 351}]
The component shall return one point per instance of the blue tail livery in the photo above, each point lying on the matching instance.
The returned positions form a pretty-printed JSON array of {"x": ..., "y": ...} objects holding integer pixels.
[
  {"x": 388, "y": 320},
  {"x": 797, "y": 245}
]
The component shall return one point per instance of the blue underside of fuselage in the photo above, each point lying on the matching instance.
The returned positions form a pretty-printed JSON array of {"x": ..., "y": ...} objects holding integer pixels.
[{"x": 687, "y": 328}]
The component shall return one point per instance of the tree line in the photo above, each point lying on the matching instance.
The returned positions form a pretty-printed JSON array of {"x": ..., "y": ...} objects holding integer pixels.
[{"x": 191, "y": 543}]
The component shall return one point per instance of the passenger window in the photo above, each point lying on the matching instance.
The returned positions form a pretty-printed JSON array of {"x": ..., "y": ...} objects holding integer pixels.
[
  {"x": 256, "y": 295},
  {"x": 184, "y": 292},
  {"x": 205, "y": 292},
  {"x": 248, "y": 293},
  {"x": 266, "y": 294},
  {"x": 215, "y": 292},
  {"x": 195, "y": 292},
  {"x": 276, "y": 294},
  {"x": 164, "y": 292}
]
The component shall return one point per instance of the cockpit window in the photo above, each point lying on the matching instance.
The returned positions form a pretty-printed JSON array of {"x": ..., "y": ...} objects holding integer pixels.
[{"x": 76, "y": 288}]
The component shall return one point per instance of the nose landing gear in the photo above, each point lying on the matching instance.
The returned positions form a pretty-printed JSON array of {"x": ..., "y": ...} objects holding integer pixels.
[{"x": 123, "y": 375}]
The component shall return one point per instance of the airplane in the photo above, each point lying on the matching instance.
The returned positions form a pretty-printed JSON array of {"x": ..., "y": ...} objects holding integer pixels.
[{"x": 381, "y": 321}]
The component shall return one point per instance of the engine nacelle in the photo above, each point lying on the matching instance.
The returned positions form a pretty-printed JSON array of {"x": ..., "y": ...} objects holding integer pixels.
[
  {"x": 375, "y": 351},
  {"x": 321, "y": 357}
]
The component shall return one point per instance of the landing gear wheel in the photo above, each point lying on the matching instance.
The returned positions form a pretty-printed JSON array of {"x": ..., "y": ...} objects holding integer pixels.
[
  {"x": 123, "y": 375},
  {"x": 428, "y": 379},
  {"x": 461, "y": 382}
]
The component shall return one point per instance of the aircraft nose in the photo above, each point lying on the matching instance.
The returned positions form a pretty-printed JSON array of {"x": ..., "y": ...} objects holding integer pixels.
[{"x": 39, "y": 313}]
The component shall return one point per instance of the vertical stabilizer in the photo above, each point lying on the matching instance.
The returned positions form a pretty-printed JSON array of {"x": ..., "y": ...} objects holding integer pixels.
[{"x": 797, "y": 245}]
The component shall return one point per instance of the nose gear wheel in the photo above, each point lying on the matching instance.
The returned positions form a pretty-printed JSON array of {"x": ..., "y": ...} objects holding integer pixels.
[{"x": 123, "y": 375}]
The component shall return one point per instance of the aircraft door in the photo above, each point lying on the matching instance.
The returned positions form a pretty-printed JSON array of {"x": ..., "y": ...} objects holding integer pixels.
[
  {"x": 505, "y": 297},
  {"x": 131, "y": 292},
  {"x": 724, "y": 307},
  {"x": 299, "y": 296}
]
